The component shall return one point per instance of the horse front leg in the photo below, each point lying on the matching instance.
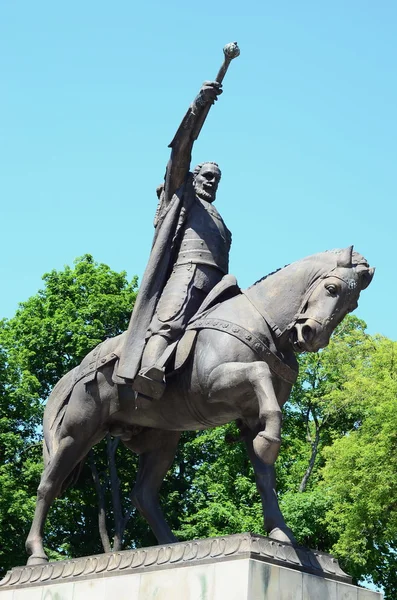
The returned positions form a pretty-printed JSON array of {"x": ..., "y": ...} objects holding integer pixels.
[
  {"x": 265, "y": 477},
  {"x": 157, "y": 452},
  {"x": 263, "y": 435},
  {"x": 239, "y": 379},
  {"x": 268, "y": 440}
]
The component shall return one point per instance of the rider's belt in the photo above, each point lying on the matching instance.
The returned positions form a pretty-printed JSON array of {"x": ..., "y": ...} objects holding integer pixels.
[
  {"x": 212, "y": 252},
  {"x": 251, "y": 340}
]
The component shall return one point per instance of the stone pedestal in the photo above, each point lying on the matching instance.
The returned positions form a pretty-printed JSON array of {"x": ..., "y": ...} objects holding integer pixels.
[{"x": 236, "y": 567}]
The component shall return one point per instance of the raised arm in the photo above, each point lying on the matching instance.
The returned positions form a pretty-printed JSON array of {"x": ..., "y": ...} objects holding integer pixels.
[{"x": 182, "y": 144}]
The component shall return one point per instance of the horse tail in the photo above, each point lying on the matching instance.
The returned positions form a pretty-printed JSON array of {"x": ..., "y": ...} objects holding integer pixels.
[{"x": 54, "y": 414}]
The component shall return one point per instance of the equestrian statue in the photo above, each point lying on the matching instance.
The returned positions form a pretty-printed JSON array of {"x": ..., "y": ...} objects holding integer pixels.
[{"x": 199, "y": 352}]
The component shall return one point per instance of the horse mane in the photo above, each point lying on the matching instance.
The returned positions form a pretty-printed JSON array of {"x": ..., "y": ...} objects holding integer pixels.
[
  {"x": 269, "y": 274},
  {"x": 358, "y": 260}
]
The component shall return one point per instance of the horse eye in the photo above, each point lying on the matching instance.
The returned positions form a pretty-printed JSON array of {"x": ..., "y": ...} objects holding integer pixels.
[{"x": 331, "y": 289}]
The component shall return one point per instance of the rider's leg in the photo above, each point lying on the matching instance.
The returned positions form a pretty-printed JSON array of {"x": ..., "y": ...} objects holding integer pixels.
[
  {"x": 166, "y": 326},
  {"x": 155, "y": 347},
  {"x": 179, "y": 301},
  {"x": 182, "y": 297},
  {"x": 150, "y": 380}
]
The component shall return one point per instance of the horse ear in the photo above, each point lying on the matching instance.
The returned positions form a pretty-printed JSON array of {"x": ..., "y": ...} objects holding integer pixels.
[
  {"x": 345, "y": 257},
  {"x": 366, "y": 277}
]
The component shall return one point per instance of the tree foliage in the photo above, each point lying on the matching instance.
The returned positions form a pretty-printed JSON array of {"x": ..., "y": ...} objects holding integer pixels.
[
  {"x": 50, "y": 333},
  {"x": 360, "y": 473}
]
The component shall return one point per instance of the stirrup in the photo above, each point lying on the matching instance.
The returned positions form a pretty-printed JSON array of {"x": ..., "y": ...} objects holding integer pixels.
[{"x": 150, "y": 382}]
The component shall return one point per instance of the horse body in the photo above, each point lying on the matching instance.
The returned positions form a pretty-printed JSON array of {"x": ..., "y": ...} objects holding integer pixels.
[{"x": 296, "y": 309}]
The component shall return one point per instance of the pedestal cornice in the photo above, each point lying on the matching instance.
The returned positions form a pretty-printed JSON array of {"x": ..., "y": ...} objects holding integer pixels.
[{"x": 190, "y": 553}]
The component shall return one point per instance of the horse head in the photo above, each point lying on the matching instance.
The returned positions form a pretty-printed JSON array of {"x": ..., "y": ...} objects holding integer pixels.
[{"x": 328, "y": 299}]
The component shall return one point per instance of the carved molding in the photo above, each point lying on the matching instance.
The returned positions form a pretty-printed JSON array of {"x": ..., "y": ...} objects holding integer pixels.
[{"x": 245, "y": 545}]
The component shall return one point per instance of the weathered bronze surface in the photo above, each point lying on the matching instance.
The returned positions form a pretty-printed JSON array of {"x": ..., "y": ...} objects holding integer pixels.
[{"x": 236, "y": 360}]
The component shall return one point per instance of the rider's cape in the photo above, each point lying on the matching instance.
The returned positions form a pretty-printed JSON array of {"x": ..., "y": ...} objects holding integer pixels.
[{"x": 169, "y": 221}]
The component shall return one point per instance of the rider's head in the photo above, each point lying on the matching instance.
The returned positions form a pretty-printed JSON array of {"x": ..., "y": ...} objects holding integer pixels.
[{"x": 206, "y": 177}]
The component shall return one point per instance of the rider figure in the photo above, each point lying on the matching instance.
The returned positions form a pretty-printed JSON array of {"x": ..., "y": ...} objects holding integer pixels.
[{"x": 193, "y": 242}]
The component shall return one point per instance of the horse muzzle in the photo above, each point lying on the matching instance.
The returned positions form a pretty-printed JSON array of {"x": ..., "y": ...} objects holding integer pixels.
[{"x": 309, "y": 335}]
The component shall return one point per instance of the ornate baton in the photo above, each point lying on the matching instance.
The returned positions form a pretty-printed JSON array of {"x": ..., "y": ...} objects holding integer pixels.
[{"x": 230, "y": 51}]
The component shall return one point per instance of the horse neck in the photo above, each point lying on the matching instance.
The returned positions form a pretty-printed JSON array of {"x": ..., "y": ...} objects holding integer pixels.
[{"x": 280, "y": 296}]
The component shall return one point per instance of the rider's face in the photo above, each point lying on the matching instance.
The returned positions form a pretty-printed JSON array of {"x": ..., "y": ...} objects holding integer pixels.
[{"x": 206, "y": 182}]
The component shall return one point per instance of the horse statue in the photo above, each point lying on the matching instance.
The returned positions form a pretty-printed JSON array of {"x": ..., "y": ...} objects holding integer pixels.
[{"x": 241, "y": 367}]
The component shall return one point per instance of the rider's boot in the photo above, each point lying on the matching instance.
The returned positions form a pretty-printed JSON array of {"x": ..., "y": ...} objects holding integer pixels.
[{"x": 150, "y": 380}]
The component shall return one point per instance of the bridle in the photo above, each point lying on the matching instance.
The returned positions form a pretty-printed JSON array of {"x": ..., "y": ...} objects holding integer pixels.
[{"x": 301, "y": 314}]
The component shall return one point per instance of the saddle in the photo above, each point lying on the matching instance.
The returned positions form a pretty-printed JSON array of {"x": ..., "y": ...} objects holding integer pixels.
[
  {"x": 109, "y": 351},
  {"x": 177, "y": 353},
  {"x": 151, "y": 382},
  {"x": 227, "y": 288}
]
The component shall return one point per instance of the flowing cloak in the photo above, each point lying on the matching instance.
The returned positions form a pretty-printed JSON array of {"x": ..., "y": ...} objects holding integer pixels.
[{"x": 170, "y": 220}]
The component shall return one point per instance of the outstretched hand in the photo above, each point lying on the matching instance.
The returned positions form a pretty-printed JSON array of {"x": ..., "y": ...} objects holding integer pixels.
[{"x": 209, "y": 92}]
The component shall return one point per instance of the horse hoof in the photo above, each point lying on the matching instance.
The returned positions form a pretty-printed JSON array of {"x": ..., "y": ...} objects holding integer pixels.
[
  {"x": 37, "y": 560},
  {"x": 282, "y": 535}
]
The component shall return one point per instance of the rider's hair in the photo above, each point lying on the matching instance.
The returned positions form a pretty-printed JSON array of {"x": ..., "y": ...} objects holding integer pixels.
[{"x": 198, "y": 167}]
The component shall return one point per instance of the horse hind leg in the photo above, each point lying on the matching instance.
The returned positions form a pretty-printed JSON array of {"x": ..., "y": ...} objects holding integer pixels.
[
  {"x": 80, "y": 431},
  {"x": 64, "y": 460},
  {"x": 157, "y": 452}
]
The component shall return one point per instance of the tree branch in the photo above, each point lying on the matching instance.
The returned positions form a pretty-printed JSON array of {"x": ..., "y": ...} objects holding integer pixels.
[
  {"x": 307, "y": 421},
  {"x": 127, "y": 517},
  {"x": 313, "y": 456}
]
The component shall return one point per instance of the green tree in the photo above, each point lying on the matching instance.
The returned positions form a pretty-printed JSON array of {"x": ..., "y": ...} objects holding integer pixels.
[
  {"x": 315, "y": 416},
  {"x": 77, "y": 309},
  {"x": 220, "y": 495},
  {"x": 339, "y": 491},
  {"x": 20, "y": 417},
  {"x": 360, "y": 474},
  {"x": 51, "y": 332}
]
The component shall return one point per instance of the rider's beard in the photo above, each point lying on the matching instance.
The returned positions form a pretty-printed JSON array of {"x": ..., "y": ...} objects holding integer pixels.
[{"x": 204, "y": 195}]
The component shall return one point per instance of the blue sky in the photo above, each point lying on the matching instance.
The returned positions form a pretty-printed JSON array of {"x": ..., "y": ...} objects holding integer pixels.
[{"x": 305, "y": 133}]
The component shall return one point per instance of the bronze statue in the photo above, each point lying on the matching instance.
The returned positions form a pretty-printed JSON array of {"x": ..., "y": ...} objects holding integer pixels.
[
  {"x": 236, "y": 362},
  {"x": 213, "y": 354},
  {"x": 190, "y": 252}
]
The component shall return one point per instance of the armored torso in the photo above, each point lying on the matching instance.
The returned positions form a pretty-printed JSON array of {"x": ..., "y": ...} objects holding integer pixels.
[{"x": 205, "y": 238}]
